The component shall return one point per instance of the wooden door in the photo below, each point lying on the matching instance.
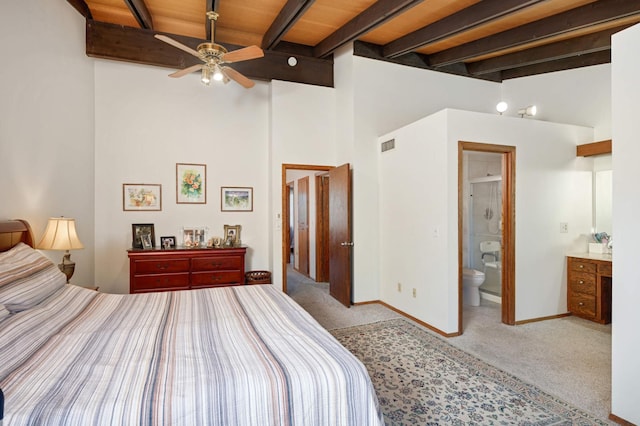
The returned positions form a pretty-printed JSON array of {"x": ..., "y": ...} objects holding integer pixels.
[
  {"x": 322, "y": 228},
  {"x": 340, "y": 244},
  {"x": 303, "y": 225}
]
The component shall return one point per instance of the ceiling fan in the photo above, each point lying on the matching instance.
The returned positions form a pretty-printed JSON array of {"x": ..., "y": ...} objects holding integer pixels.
[{"x": 214, "y": 57}]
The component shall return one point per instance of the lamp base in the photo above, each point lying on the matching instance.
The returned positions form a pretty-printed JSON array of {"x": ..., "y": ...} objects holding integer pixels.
[{"x": 67, "y": 266}]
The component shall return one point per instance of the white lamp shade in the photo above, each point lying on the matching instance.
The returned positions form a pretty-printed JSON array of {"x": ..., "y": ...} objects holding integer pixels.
[{"x": 60, "y": 235}]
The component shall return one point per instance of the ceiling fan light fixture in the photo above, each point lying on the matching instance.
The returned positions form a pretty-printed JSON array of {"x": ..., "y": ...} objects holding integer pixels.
[
  {"x": 206, "y": 76},
  {"x": 217, "y": 74}
]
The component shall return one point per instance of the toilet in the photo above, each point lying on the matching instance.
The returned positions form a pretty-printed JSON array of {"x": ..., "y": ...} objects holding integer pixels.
[{"x": 471, "y": 281}]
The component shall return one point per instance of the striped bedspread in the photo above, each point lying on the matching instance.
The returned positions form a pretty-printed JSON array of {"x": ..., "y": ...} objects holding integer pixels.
[{"x": 244, "y": 355}]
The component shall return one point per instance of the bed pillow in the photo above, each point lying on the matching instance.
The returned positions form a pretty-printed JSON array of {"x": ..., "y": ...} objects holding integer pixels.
[{"x": 27, "y": 277}]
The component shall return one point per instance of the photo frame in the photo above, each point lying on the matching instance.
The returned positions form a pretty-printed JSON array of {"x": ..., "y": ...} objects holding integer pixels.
[
  {"x": 194, "y": 237},
  {"x": 191, "y": 183},
  {"x": 236, "y": 199},
  {"x": 168, "y": 242},
  {"x": 140, "y": 229},
  {"x": 146, "y": 241},
  {"x": 232, "y": 235},
  {"x": 141, "y": 197}
]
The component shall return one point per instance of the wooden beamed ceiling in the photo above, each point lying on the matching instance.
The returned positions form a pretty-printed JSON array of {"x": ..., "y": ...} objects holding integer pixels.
[{"x": 487, "y": 39}]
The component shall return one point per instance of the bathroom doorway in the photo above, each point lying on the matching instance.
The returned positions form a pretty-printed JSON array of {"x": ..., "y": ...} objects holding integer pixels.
[{"x": 486, "y": 218}]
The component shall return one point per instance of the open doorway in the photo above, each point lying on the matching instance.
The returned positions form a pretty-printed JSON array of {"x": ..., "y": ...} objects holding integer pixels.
[
  {"x": 500, "y": 250},
  {"x": 315, "y": 220}
]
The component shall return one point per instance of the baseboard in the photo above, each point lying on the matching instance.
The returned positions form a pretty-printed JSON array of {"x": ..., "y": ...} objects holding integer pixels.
[
  {"x": 406, "y": 315},
  {"x": 619, "y": 420},
  {"x": 568, "y": 314}
]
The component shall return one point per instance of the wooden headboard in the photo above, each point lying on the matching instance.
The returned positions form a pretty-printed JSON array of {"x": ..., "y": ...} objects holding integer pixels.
[{"x": 13, "y": 232}]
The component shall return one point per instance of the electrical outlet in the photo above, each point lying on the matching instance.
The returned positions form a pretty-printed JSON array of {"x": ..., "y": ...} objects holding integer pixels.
[
  {"x": 399, "y": 287},
  {"x": 564, "y": 227},
  {"x": 414, "y": 292}
]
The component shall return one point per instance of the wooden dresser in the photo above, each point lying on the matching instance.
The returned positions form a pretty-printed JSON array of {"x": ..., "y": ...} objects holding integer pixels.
[
  {"x": 589, "y": 280},
  {"x": 185, "y": 268}
]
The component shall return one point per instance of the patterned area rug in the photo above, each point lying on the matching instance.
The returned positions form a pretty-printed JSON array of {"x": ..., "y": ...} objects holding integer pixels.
[{"x": 422, "y": 380}]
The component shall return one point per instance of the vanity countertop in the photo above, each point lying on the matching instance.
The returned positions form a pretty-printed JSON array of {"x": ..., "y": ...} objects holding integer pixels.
[{"x": 593, "y": 256}]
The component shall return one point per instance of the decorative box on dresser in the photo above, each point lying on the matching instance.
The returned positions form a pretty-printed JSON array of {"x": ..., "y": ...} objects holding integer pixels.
[
  {"x": 589, "y": 280},
  {"x": 185, "y": 268}
]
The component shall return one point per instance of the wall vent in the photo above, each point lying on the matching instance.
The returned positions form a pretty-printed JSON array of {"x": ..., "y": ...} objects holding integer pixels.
[{"x": 390, "y": 144}]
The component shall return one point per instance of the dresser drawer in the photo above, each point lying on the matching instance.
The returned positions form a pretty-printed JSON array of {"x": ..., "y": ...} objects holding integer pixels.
[
  {"x": 218, "y": 263},
  {"x": 582, "y": 304},
  {"x": 208, "y": 279},
  {"x": 160, "y": 266},
  {"x": 582, "y": 266},
  {"x": 162, "y": 282}
]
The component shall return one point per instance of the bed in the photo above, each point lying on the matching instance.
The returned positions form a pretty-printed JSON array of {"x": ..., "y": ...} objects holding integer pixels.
[{"x": 245, "y": 355}]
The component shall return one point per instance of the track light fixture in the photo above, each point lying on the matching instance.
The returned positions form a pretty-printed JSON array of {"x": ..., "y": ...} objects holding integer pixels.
[{"x": 529, "y": 111}]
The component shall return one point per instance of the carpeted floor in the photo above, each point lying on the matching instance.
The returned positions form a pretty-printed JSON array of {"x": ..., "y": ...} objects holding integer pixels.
[
  {"x": 567, "y": 357},
  {"x": 423, "y": 380}
]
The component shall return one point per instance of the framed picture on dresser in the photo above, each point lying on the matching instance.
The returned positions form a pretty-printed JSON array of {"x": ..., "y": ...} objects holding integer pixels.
[{"x": 138, "y": 230}]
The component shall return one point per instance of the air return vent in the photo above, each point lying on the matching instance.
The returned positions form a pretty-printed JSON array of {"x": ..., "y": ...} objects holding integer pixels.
[{"x": 390, "y": 144}]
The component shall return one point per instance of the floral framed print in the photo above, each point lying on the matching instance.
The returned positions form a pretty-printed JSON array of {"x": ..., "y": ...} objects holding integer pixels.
[
  {"x": 191, "y": 183},
  {"x": 141, "y": 197},
  {"x": 236, "y": 199}
]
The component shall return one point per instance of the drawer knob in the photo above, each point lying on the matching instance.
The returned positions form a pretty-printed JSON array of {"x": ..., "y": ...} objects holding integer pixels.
[
  {"x": 581, "y": 282},
  {"x": 581, "y": 266},
  {"x": 581, "y": 304}
]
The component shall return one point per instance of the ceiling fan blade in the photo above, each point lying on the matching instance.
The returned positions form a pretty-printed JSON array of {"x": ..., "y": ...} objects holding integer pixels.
[
  {"x": 177, "y": 44},
  {"x": 237, "y": 77},
  {"x": 244, "y": 54},
  {"x": 189, "y": 70}
]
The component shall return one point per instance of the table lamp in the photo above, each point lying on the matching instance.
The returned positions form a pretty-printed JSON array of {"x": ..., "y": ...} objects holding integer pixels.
[{"x": 61, "y": 235}]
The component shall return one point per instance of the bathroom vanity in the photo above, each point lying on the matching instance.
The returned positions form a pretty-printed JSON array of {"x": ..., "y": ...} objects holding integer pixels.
[{"x": 589, "y": 277}]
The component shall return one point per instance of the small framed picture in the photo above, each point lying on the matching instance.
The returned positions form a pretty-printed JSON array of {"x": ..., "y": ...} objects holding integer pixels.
[
  {"x": 138, "y": 230},
  {"x": 232, "y": 235},
  {"x": 236, "y": 199},
  {"x": 168, "y": 242},
  {"x": 146, "y": 241},
  {"x": 191, "y": 183},
  {"x": 141, "y": 197},
  {"x": 194, "y": 237}
]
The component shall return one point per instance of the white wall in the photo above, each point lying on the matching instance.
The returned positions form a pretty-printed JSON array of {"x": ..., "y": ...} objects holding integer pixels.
[
  {"x": 581, "y": 96},
  {"x": 419, "y": 211},
  {"x": 626, "y": 227},
  {"x": 46, "y": 129},
  {"x": 147, "y": 122}
]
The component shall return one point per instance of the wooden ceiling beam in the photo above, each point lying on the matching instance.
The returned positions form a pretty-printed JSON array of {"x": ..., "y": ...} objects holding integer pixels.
[
  {"x": 598, "y": 12},
  {"x": 587, "y": 60},
  {"x": 577, "y": 46},
  {"x": 288, "y": 16},
  {"x": 374, "y": 16},
  {"x": 140, "y": 11},
  {"x": 120, "y": 43},
  {"x": 464, "y": 20},
  {"x": 81, "y": 7}
]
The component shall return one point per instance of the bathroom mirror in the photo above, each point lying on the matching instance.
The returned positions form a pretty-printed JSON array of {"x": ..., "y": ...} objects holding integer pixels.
[{"x": 602, "y": 189}]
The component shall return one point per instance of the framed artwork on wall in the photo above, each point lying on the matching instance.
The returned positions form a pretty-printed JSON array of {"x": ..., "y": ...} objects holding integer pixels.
[
  {"x": 141, "y": 197},
  {"x": 236, "y": 199},
  {"x": 140, "y": 230},
  {"x": 191, "y": 183}
]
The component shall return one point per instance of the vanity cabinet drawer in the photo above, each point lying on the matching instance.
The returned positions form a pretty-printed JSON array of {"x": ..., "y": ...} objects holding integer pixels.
[
  {"x": 581, "y": 266},
  {"x": 605, "y": 269},
  {"x": 583, "y": 283},
  {"x": 582, "y": 304}
]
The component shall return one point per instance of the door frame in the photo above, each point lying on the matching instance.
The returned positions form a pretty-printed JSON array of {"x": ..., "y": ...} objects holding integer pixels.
[
  {"x": 508, "y": 226},
  {"x": 285, "y": 209}
]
